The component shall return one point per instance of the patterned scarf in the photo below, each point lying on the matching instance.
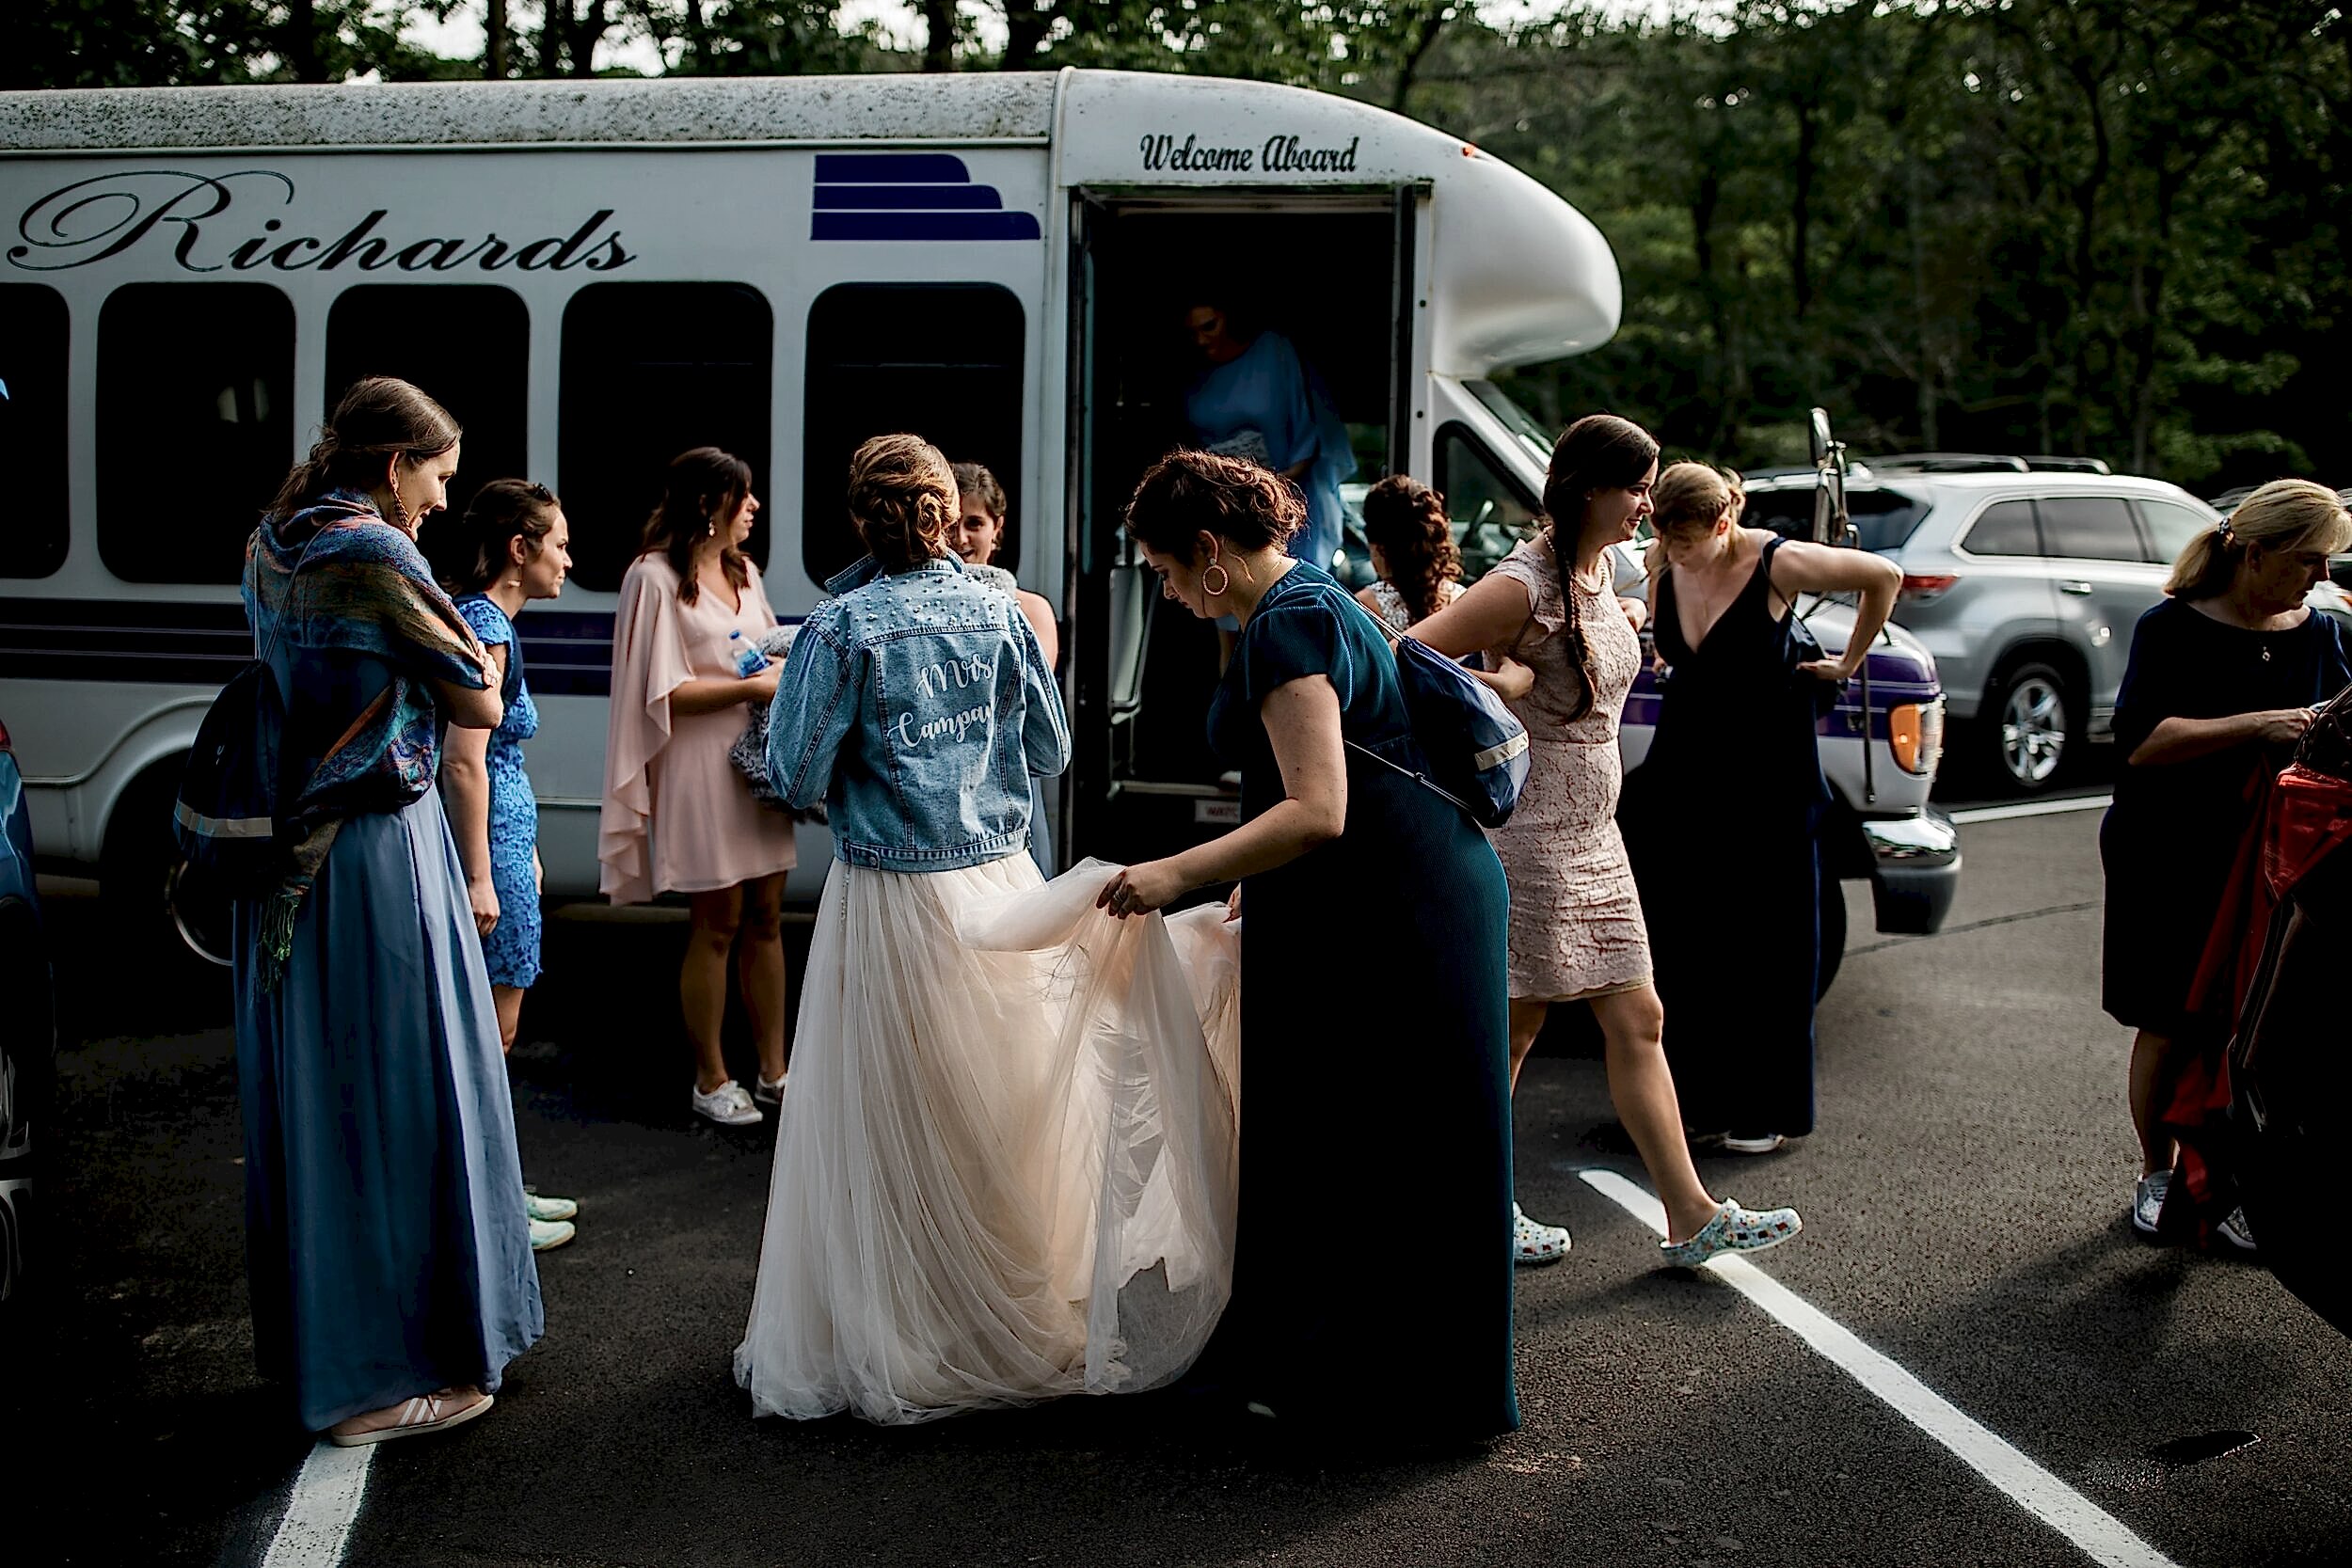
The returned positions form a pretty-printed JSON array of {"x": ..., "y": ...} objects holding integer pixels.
[{"x": 362, "y": 734}]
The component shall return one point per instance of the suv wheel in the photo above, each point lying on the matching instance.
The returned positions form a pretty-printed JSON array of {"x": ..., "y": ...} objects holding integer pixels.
[{"x": 2032, "y": 726}]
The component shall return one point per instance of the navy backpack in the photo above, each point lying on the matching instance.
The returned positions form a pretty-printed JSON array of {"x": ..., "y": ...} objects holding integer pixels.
[{"x": 1474, "y": 746}]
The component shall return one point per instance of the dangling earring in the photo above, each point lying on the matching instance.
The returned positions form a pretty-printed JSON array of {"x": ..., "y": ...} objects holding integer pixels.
[{"x": 1224, "y": 579}]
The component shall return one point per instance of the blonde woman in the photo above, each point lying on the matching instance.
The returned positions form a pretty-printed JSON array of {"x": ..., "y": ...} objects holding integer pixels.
[
  {"x": 2225, "y": 675},
  {"x": 1734, "y": 917}
]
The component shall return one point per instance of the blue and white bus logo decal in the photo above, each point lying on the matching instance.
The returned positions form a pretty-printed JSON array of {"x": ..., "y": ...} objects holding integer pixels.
[{"x": 909, "y": 196}]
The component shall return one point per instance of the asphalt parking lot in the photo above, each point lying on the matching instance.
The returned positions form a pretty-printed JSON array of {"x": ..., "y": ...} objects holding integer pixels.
[{"x": 1965, "y": 1203}]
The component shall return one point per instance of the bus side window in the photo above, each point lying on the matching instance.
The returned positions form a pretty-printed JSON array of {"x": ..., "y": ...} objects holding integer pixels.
[
  {"x": 1490, "y": 513},
  {"x": 652, "y": 370},
  {"x": 467, "y": 345},
  {"x": 940, "y": 360},
  {"x": 195, "y": 425},
  {"x": 32, "y": 429}
]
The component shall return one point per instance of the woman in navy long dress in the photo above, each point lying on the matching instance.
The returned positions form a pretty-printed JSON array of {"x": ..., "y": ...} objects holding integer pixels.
[
  {"x": 389, "y": 1258},
  {"x": 1734, "y": 915},
  {"x": 1373, "y": 927},
  {"x": 2224, "y": 677}
]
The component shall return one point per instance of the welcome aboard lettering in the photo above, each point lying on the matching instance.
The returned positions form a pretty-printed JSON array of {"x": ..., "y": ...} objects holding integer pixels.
[{"x": 1277, "y": 156}]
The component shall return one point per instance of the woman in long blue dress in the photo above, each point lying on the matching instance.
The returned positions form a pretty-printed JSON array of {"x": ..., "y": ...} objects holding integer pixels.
[
  {"x": 1337, "y": 841},
  {"x": 1257, "y": 398},
  {"x": 512, "y": 546},
  {"x": 390, "y": 1258}
]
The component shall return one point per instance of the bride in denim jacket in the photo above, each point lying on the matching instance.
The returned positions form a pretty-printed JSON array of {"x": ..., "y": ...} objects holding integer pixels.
[{"x": 1004, "y": 1131}]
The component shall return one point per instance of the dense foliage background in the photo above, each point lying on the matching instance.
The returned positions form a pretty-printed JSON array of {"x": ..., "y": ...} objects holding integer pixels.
[{"x": 2107, "y": 227}]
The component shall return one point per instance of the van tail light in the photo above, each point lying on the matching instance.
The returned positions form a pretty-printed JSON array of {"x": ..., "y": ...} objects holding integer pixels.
[
  {"x": 1923, "y": 589},
  {"x": 1915, "y": 733}
]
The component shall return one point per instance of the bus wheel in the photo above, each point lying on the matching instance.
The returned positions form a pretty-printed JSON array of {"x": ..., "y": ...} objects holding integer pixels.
[{"x": 136, "y": 865}]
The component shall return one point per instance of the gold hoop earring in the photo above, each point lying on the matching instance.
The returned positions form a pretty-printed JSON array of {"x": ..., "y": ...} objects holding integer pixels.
[{"x": 1224, "y": 579}]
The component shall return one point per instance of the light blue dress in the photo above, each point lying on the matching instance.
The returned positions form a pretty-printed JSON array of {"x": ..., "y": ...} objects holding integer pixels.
[
  {"x": 1271, "y": 391},
  {"x": 387, "y": 1243},
  {"x": 511, "y": 948}
]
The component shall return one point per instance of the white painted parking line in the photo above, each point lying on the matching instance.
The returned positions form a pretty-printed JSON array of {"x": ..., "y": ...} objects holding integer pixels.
[
  {"x": 2099, "y": 1535},
  {"x": 320, "y": 1514},
  {"x": 2033, "y": 808}
]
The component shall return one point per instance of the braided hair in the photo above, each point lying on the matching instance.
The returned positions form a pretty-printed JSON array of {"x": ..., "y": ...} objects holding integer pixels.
[
  {"x": 902, "y": 496},
  {"x": 1406, "y": 520},
  {"x": 1600, "y": 451}
]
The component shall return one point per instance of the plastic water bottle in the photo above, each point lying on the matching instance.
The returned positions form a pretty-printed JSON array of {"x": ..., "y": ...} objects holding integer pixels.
[{"x": 749, "y": 660}]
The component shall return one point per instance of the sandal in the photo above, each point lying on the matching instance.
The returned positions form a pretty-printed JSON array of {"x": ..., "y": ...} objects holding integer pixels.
[
  {"x": 1734, "y": 1229},
  {"x": 418, "y": 1417},
  {"x": 1533, "y": 1241}
]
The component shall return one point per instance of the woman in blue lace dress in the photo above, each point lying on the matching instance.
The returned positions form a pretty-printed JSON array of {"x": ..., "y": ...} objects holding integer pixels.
[{"x": 511, "y": 547}]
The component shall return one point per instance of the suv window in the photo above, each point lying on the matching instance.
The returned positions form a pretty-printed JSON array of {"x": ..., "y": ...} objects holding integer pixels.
[
  {"x": 2171, "y": 526},
  {"x": 1488, "y": 513},
  {"x": 2006, "y": 527},
  {"x": 1883, "y": 520},
  {"x": 2088, "y": 528}
]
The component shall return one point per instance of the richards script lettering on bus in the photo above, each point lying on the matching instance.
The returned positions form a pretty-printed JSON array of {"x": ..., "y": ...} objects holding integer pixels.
[
  {"x": 940, "y": 680},
  {"x": 94, "y": 220},
  {"x": 1277, "y": 156}
]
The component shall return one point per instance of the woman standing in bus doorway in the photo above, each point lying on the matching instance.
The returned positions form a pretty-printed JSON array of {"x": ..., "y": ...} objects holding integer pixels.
[
  {"x": 1342, "y": 851},
  {"x": 975, "y": 535},
  {"x": 1734, "y": 917},
  {"x": 512, "y": 546},
  {"x": 1255, "y": 398},
  {"x": 679, "y": 817},
  {"x": 1575, "y": 919},
  {"x": 390, "y": 1257},
  {"x": 962, "y": 1209}
]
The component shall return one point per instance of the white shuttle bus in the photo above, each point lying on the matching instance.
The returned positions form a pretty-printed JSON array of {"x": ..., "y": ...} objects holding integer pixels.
[{"x": 595, "y": 275}]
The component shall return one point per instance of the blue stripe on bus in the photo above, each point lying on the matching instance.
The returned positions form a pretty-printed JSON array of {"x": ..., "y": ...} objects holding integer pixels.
[
  {"x": 924, "y": 226},
  {"x": 919, "y": 199},
  {"x": 890, "y": 168}
]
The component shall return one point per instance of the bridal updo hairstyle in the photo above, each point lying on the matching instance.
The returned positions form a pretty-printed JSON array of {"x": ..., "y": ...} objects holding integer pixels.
[
  {"x": 1187, "y": 492},
  {"x": 380, "y": 417},
  {"x": 471, "y": 553},
  {"x": 703, "y": 489},
  {"x": 2284, "y": 516},
  {"x": 1600, "y": 451},
  {"x": 1407, "y": 520},
  {"x": 902, "y": 497}
]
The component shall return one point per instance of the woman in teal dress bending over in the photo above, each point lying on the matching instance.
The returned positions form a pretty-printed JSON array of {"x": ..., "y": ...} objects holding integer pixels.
[{"x": 1345, "y": 862}]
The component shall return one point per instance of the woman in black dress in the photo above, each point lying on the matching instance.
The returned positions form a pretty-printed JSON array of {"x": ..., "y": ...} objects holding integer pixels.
[
  {"x": 1375, "y": 927},
  {"x": 2224, "y": 677},
  {"x": 1734, "y": 909}
]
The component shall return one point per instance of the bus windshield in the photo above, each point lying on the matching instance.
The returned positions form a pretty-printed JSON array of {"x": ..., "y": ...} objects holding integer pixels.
[{"x": 1517, "y": 421}]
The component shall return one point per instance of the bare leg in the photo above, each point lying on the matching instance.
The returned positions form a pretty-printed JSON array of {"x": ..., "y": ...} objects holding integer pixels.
[
  {"x": 508, "y": 1000},
  {"x": 2150, "y": 1082},
  {"x": 1527, "y": 1022},
  {"x": 702, "y": 980},
  {"x": 759, "y": 962},
  {"x": 1633, "y": 1026}
]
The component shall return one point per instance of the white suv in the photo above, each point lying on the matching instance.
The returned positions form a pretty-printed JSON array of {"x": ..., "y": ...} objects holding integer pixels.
[{"x": 2024, "y": 577}]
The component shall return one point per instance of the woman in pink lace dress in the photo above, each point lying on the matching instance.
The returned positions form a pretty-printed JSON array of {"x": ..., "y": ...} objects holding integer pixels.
[{"x": 1575, "y": 930}]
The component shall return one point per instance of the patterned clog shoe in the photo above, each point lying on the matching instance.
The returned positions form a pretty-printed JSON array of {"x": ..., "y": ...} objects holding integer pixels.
[
  {"x": 1734, "y": 1229},
  {"x": 1533, "y": 1241}
]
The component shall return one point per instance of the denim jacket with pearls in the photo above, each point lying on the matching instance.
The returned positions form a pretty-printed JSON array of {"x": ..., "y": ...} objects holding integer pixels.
[{"x": 916, "y": 704}]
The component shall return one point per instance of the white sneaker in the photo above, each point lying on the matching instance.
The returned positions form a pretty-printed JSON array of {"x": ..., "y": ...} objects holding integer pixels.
[
  {"x": 1534, "y": 1243},
  {"x": 728, "y": 1106},
  {"x": 767, "y": 1093},
  {"x": 1763, "y": 1144},
  {"x": 2148, "y": 1201},
  {"x": 549, "y": 1208},
  {"x": 547, "y": 1235},
  {"x": 2236, "y": 1232}
]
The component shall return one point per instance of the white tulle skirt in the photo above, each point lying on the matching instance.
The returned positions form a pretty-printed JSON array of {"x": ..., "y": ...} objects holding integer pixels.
[{"x": 1008, "y": 1160}]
